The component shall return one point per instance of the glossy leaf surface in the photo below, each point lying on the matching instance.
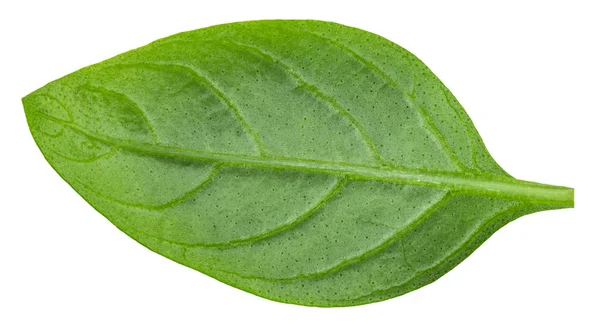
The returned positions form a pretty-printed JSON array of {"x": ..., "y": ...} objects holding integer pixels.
[{"x": 302, "y": 161}]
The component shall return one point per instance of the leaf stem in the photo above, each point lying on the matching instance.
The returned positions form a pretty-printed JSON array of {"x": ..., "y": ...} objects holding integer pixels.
[{"x": 473, "y": 183}]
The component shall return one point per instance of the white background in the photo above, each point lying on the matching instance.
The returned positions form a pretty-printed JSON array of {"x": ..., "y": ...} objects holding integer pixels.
[{"x": 526, "y": 72}]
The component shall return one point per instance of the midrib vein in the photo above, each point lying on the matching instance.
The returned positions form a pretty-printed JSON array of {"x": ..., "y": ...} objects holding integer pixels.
[{"x": 476, "y": 184}]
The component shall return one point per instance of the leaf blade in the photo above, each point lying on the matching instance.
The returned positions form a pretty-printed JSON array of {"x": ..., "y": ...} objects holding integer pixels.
[{"x": 284, "y": 179}]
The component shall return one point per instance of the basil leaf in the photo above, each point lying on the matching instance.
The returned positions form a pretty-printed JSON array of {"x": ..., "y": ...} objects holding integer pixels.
[{"x": 303, "y": 161}]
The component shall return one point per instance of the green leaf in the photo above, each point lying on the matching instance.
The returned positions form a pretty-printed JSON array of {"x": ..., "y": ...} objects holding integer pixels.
[{"x": 302, "y": 161}]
